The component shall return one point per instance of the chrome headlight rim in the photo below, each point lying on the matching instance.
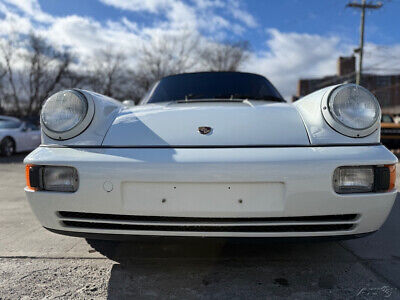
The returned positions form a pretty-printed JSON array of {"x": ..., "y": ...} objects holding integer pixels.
[
  {"x": 339, "y": 126},
  {"x": 78, "y": 128}
]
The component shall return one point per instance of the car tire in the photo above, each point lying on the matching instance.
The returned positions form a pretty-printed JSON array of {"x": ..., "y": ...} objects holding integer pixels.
[{"x": 7, "y": 147}]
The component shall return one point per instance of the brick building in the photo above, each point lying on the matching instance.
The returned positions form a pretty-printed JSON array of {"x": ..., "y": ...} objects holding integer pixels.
[{"x": 385, "y": 87}]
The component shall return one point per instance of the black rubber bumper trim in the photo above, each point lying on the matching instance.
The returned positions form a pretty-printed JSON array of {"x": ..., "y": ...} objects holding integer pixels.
[{"x": 126, "y": 237}]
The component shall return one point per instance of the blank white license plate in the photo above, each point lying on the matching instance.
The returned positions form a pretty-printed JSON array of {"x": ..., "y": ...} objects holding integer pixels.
[{"x": 202, "y": 199}]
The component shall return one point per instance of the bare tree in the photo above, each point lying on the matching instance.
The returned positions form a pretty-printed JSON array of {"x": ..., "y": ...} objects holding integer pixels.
[
  {"x": 75, "y": 79},
  {"x": 224, "y": 57},
  {"x": 3, "y": 73},
  {"x": 33, "y": 70},
  {"x": 172, "y": 54},
  {"x": 111, "y": 75},
  {"x": 46, "y": 67},
  {"x": 9, "y": 87},
  {"x": 107, "y": 72},
  {"x": 165, "y": 55}
]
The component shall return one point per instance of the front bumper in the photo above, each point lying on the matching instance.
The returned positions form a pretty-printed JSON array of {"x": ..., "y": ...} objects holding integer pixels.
[{"x": 237, "y": 192}]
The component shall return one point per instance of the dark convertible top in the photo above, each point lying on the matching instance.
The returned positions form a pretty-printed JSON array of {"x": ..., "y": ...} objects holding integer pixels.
[{"x": 213, "y": 85}]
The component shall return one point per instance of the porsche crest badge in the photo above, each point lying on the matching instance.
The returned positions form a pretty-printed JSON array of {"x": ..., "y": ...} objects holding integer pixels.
[{"x": 205, "y": 129}]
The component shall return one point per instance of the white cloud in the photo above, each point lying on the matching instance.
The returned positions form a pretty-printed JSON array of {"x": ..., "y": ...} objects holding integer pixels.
[
  {"x": 32, "y": 9},
  {"x": 130, "y": 25},
  {"x": 152, "y": 6},
  {"x": 12, "y": 22},
  {"x": 204, "y": 15},
  {"x": 381, "y": 59},
  {"x": 296, "y": 55},
  {"x": 287, "y": 57},
  {"x": 291, "y": 56},
  {"x": 85, "y": 36},
  {"x": 203, "y": 4},
  {"x": 181, "y": 15},
  {"x": 241, "y": 15}
]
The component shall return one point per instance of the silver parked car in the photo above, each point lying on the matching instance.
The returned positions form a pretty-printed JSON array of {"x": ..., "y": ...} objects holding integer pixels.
[{"x": 17, "y": 136}]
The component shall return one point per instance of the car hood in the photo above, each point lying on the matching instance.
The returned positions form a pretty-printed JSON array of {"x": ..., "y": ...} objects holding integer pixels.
[{"x": 247, "y": 123}]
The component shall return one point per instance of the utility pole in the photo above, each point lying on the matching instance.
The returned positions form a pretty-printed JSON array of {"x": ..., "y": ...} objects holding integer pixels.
[{"x": 363, "y": 6}]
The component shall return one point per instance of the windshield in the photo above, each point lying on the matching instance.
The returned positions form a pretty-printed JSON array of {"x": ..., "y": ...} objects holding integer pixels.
[
  {"x": 213, "y": 85},
  {"x": 6, "y": 124}
]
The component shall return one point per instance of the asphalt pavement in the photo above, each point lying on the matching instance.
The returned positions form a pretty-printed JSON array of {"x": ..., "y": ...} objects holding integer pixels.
[{"x": 37, "y": 264}]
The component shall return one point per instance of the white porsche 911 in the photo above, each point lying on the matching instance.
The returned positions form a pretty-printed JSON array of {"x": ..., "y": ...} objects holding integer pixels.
[{"x": 217, "y": 154}]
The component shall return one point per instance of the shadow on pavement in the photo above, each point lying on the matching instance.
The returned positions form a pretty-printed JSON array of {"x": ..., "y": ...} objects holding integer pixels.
[
  {"x": 218, "y": 268},
  {"x": 226, "y": 269},
  {"x": 232, "y": 268},
  {"x": 216, "y": 249},
  {"x": 256, "y": 268}
]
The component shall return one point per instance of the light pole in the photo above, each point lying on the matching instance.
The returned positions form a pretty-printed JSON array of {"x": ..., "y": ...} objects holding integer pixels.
[{"x": 363, "y": 6}]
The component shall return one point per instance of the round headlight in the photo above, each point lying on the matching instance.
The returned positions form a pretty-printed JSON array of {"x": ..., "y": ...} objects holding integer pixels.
[
  {"x": 354, "y": 107},
  {"x": 65, "y": 114},
  {"x": 353, "y": 110},
  {"x": 64, "y": 110}
]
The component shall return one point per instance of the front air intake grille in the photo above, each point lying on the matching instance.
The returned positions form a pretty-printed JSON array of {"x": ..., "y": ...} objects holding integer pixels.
[
  {"x": 204, "y": 224},
  {"x": 274, "y": 228},
  {"x": 94, "y": 216}
]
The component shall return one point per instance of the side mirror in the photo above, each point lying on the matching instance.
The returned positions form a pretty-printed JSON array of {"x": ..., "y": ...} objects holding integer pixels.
[{"x": 25, "y": 128}]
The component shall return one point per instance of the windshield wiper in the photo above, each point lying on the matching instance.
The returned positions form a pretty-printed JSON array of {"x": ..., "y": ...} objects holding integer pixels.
[
  {"x": 202, "y": 98},
  {"x": 193, "y": 96},
  {"x": 209, "y": 100},
  {"x": 227, "y": 98},
  {"x": 250, "y": 97}
]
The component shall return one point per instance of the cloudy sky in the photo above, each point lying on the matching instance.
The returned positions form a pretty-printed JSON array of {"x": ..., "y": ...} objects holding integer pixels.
[{"x": 290, "y": 39}]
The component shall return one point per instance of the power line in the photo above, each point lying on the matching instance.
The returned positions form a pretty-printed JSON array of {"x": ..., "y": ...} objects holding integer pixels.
[
  {"x": 363, "y": 6},
  {"x": 384, "y": 69}
]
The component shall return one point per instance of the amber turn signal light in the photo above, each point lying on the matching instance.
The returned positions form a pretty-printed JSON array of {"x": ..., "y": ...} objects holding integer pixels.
[
  {"x": 392, "y": 172},
  {"x": 28, "y": 177}
]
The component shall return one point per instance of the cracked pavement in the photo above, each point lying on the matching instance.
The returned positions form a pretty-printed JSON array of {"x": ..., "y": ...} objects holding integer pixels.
[{"x": 37, "y": 264}]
